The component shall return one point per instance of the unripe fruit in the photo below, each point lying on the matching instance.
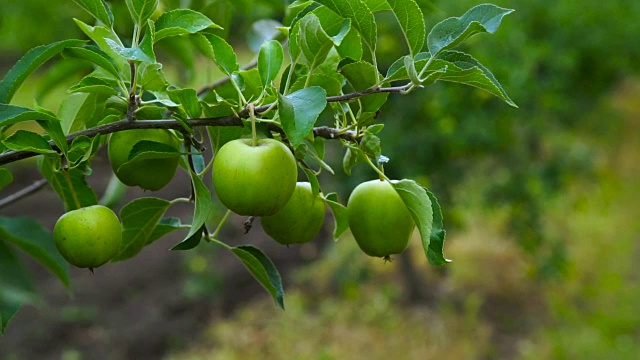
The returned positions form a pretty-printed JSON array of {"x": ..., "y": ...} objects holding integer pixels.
[
  {"x": 300, "y": 220},
  {"x": 254, "y": 180},
  {"x": 379, "y": 220},
  {"x": 152, "y": 174},
  {"x": 88, "y": 237}
]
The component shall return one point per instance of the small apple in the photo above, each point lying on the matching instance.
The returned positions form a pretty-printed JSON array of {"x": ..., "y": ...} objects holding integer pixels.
[
  {"x": 300, "y": 220},
  {"x": 152, "y": 174},
  {"x": 88, "y": 237},
  {"x": 254, "y": 180},
  {"x": 379, "y": 220}
]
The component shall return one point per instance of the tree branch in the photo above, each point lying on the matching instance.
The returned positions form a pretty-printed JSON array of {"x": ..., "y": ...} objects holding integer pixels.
[
  {"x": 230, "y": 120},
  {"x": 24, "y": 192},
  {"x": 224, "y": 80}
]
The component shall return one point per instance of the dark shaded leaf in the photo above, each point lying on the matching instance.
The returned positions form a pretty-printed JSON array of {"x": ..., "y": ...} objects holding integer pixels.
[
  {"x": 29, "y": 63},
  {"x": 37, "y": 241}
]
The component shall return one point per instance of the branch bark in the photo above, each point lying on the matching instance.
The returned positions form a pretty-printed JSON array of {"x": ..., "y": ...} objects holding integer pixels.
[
  {"x": 22, "y": 193},
  {"x": 231, "y": 120}
]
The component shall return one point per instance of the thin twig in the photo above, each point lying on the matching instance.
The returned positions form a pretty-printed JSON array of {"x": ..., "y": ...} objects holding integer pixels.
[
  {"x": 230, "y": 120},
  {"x": 218, "y": 83},
  {"x": 134, "y": 101},
  {"x": 24, "y": 192}
]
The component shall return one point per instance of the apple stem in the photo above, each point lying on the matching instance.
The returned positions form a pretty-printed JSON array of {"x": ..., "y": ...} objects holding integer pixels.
[
  {"x": 379, "y": 170},
  {"x": 253, "y": 124}
]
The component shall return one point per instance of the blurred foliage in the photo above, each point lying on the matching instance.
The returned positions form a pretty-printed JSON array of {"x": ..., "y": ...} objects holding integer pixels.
[
  {"x": 557, "y": 177},
  {"x": 557, "y": 60},
  {"x": 487, "y": 306}
]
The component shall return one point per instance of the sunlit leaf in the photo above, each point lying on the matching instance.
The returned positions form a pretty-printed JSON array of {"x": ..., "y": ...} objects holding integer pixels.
[
  {"x": 299, "y": 112},
  {"x": 451, "y": 32},
  {"x": 181, "y": 22},
  {"x": 270, "y": 61}
]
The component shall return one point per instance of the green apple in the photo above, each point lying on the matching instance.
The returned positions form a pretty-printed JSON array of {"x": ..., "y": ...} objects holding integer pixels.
[
  {"x": 254, "y": 180},
  {"x": 152, "y": 174},
  {"x": 300, "y": 220},
  {"x": 88, "y": 237},
  {"x": 379, "y": 220}
]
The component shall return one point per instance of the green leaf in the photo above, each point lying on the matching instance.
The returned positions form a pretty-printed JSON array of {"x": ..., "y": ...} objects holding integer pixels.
[
  {"x": 377, "y": 5},
  {"x": 54, "y": 130},
  {"x": 141, "y": 10},
  {"x": 70, "y": 185},
  {"x": 6, "y": 177},
  {"x": 299, "y": 112},
  {"x": 16, "y": 286},
  {"x": 146, "y": 45},
  {"x": 23, "y": 140},
  {"x": 75, "y": 109},
  {"x": 362, "y": 76},
  {"x": 340, "y": 215},
  {"x": 438, "y": 234},
  {"x": 313, "y": 40},
  {"x": 412, "y": 73},
  {"x": 31, "y": 61},
  {"x": 82, "y": 148},
  {"x": 397, "y": 71},
  {"x": 99, "y": 35},
  {"x": 270, "y": 61},
  {"x": 191, "y": 241},
  {"x": 152, "y": 77},
  {"x": 417, "y": 200},
  {"x": 370, "y": 145},
  {"x": 98, "y": 9},
  {"x": 464, "y": 68},
  {"x": 139, "y": 219},
  {"x": 330, "y": 85},
  {"x": 344, "y": 30},
  {"x": 249, "y": 82},
  {"x": 313, "y": 180},
  {"x": 361, "y": 17},
  {"x": 451, "y": 32},
  {"x": 410, "y": 18},
  {"x": 204, "y": 206},
  {"x": 267, "y": 267},
  {"x": 147, "y": 150},
  {"x": 352, "y": 157},
  {"x": 131, "y": 54},
  {"x": 218, "y": 50},
  {"x": 221, "y": 135},
  {"x": 35, "y": 240},
  {"x": 94, "y": 85},
  {"x": 188, "y": 98},
  {"x": 348, "y": 46},
  {"x": 181, "y": 22},
  {"x": 95, "y": 55},
  {"x": 261, "y": 267},
  {"x": 165, "y": 226}
]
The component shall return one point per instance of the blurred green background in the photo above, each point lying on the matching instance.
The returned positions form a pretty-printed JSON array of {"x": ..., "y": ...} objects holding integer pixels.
[{"x": 540, "y": 204}]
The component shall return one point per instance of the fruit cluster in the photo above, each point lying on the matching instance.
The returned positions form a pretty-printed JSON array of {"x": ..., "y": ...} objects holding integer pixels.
[{"x": 251, "y": 178}]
